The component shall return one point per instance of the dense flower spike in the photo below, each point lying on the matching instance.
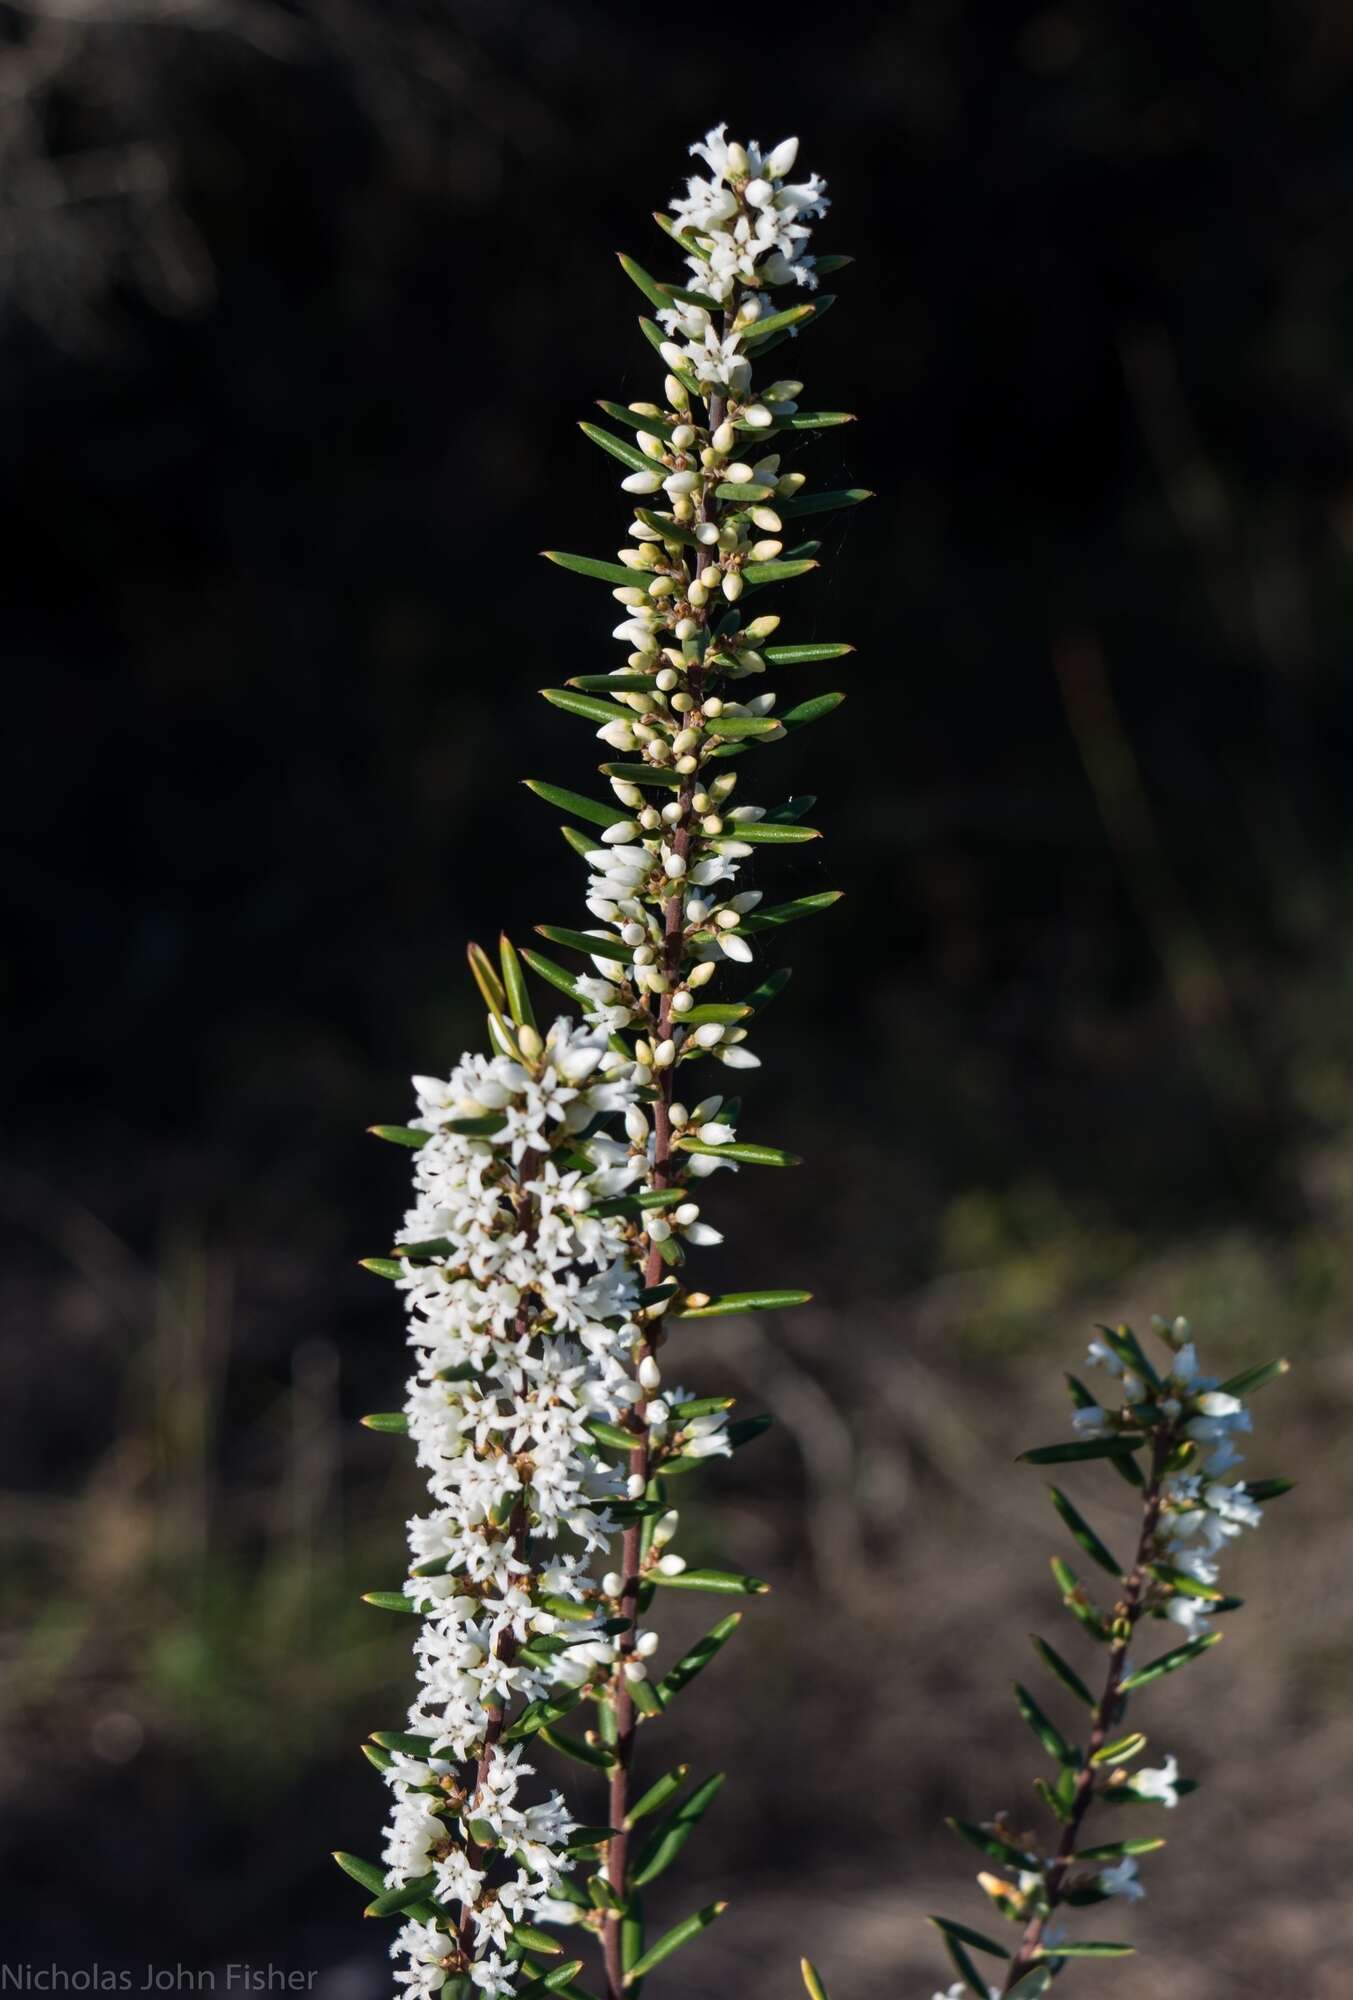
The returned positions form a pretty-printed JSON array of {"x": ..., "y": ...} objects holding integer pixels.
[
  {"x": 559, "y": 1178},
  {"x": 1170, "y": 1431}
]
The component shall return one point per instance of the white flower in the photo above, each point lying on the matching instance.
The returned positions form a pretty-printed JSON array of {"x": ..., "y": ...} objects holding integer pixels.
[
  {"x": 1121, "y": 1880},
  {"x": 1158, "y": 1784}
]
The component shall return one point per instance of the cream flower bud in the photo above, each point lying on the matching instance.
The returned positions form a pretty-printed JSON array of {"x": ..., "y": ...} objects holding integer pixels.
[
  {"x": 665, "y": 1053},
  {"x": 635, "y": 1670},
  {"x": 732, "y": 586},
  {"x": 674, "y": 866},
  {"x": 671, "y": 1565},
  {"x": 700, "y": 975},
  {"x": 658, "y": 1229},
  {"x": 675, "y": 390},
  {"x": 725, "y": 437},
  {"x": 682, "y": 1003},
  {"x": 613, "y": 1584},
  {"x": 780, "y": 160},
  {"x": 667, "y": 679},
  {"x": 642, "y": 482},
  {"x": 623, "y": 830},
  {"x": 634, "y": 1486},
  {"x": 646, "y": 1645},
  {"x": 650, "y": 1375},
  {"x": 636, "y": 1125}
]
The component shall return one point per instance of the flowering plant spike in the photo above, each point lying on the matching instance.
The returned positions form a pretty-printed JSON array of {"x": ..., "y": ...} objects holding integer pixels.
[
  {"x": 1170, "y": 1432},
  {"x": 558, "y": 1176}
]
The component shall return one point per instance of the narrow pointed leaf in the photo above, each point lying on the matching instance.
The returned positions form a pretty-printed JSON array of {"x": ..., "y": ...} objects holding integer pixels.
[
  {"x": 367, "y": 1873},
  {"x": 801, "y": 655},
  {"x": 672, "y": 1940},
  {"x": 767, "y": 832},
  {"x": 1033, "y": 1985},
  {"x": 596, "y": 811},
  {"x": 594, "y": 947},
  {"x": 1078, "y": 1449},
  {"x": 393, "y": 1421},
  {"x": 1087, "y": 1948},
  {"x": 642, "y": 774},
  {"x": 723, "y": 1581},
  {"x": 553, "y": 975},
  {"x": 1085, "y": 1535},
  {"x": 811, "y": 711},
  {"x": 991, "y": 1844},
  {"x": 657, "y": 1796},
  {"x": 392, "y": 1900},
  {"x": 1169, "y": 1663},
  {"x": 668, "y": 1840},
  {"x": 743, "y": 1151},
  {"x": 1250, "y": 1379},
  {"x": 824, "y": 503},
  {"x": 1047, "y": 1732},
  {"x": 812, "y": 1980},
  {"x": 605, "y": 572},
  {"x": 777, "y": 322},
  {"x": 382, "y": 1267},
  {"x": 967, "y": 1935},
  {"x": 589, "y": 706},
  {"x": 780, "y": 914},
  {"x": 736, "y": 1302},
  {"x": 637, "y": 420},
  {"x": 1066, "y": 1675},
  {"x": 628, "y": 454},
  {"x": 775, "y": 572},
  {"x": 399, "y": 1135},
  {"x": 699, "y": 1656}
]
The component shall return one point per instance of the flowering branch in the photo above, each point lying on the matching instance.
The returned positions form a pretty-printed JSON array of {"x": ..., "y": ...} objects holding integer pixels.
[
  {"x": 556, "y": 1176},
  {"x": 1170, "y": 1433}
]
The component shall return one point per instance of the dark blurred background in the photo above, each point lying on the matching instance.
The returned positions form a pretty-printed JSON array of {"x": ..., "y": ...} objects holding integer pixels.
[{"x": 300, "y": 306}]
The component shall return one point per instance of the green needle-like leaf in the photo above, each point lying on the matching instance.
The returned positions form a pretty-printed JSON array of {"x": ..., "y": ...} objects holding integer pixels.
[
  {"x": 589, "y": 706},
  {"x": 672, "y": 1940},
  {"x": 812, "y": 1980},
  {"x": 668, "y": 1840},
  {"x": 722, "y": 1581},
  {"x": 775, "y": 572},
  {"x": 991, "y": 1844},
  {"x": 657, "y": 1796},
  {"x": 629, "y": 455},
  {"x": 1073, "y": 1452},
  {"x": 656, "y": 294},
  {"x": 595, "y": 811},
  {"x": 393, "y": 1900},
  {"x": 553, "y": 975},
  {"x": 1085, "y": 1534},
  {"x": 393, "y": 1421},
  {"x": 596, "y": 566},
  {"x": 736, "y": 1302},
  {"x": 698, "y": 1658},
  {"x": 595, "y": 947},
  {"x": 780, "y": 914},
  {"x": 767, "y": 832},
  {"x": 1169, "y": 1663},
  {"x": 1087, "y": 1948},
  {"x": 400, "y": 1135},
  {"x": 1066, "y": 1675},
  {"x": 811, "y": 711},
  {"x": 367, "y": 1873},
  {"x": 743, "y": 1151},
  {"x": 967, "y": 1935},
  {"x": 824, "y": 503},
  {"x": 1047, "y": 1732},
  {"x": 777, "y": 322}
]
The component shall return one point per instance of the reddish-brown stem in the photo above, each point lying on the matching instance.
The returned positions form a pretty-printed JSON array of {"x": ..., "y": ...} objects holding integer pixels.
[
  {"x": 661, "y": 1176},
  {"x": 1106, "y": 1714}
]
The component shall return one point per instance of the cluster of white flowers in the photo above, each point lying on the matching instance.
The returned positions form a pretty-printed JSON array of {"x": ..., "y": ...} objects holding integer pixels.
[
  {"x": 1200, "y": 1512},
  {"x": 522, "y": 1316},
  {"x": 746, "y": 229}
]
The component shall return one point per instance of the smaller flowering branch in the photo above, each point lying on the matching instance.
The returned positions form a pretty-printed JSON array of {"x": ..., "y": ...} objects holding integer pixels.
[{"x": 1170, "y": 1433}]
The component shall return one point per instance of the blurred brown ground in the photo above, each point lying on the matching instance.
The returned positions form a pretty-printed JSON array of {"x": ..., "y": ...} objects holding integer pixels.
[{"x": 299, "y": 307}]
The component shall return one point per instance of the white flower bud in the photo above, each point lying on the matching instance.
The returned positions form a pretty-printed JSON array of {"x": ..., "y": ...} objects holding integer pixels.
[
  {"x": 635, "y": 1670},
  {"x": 636, "y": 1125},
  {"x": 780, "y": 161},
  {"x": 682, "y": 1003},
  {"x": 623, "y": 830},
  {"x": 700, "y": 975},
  {"x": 732, "y": 585},
  {"x": 673, "y": 866},
  {"x": 646, "y": 1645},
  {"x": 642, "y": 482},
  {"x": 675, "y": 390},
  {"x": 665, "y": 1053},
  {"x": 671, "y": 1565},
  {"x": 667, "y": 680},
  {"x": 709, "y": 1035},
  {"x": 613, "y": 1584},
  {"x": 650, "y": 1375}
]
